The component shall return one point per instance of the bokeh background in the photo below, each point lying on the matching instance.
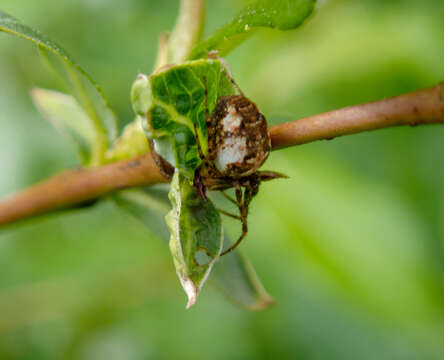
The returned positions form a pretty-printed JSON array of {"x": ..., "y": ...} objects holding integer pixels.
[{"x": 351, "y": 246}]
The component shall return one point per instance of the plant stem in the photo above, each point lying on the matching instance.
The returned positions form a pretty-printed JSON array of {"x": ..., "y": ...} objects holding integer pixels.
[
  {"x": 187, "y": 31},
  {"x": 75, "y": 187}
]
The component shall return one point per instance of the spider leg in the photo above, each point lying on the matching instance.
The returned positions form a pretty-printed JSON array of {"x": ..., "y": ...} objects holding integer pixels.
[
  {"x": 228, "y": 197},
  {"x": 207, "y": 120},
  {"x": 270, "y": 175},
  {"x": 234, "y": 83},
  {"x": 165, "y": 168},
  {"x": 244, "y": 233},
  {"x": 199, "y": 185},
  {"x": 226, "y": 213},
  {"x": 251, "y": 190},
  {"x": 238, "y": 192},
  {"x": 199, "y": 147},
  {"x": 214, "y": 55},
  {"x": 207, "y": 108},
  {"x": 243, "y": 210}
]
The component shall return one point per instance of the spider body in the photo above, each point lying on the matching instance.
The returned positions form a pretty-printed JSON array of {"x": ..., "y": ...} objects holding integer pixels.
[{"x": 238, "y": 140}]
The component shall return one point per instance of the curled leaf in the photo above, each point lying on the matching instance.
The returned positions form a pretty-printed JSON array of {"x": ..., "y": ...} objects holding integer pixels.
[
  {"x": 196, "y": 235},
  {"x": 175, "y": 98}
]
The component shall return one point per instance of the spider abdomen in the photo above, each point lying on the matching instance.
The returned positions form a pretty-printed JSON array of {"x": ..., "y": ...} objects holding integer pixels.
[{"x": 238, "y": 139}]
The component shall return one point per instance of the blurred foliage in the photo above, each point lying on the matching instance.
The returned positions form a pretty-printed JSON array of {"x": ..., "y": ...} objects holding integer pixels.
[
  {"x": 351, "y": 246},
  {"x": 103, "y": 122}
]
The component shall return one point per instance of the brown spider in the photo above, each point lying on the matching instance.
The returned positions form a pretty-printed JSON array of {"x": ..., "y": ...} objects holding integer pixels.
[{"x": 238, "y": 144}]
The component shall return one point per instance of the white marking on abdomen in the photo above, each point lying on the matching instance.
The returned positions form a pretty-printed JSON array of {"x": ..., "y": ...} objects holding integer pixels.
[
  {"x": 232, "y": 121},
  {"x": 233, "y": 150}
]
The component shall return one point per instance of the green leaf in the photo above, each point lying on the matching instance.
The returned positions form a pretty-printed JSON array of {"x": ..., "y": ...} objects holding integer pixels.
[
  {"x": 69, "y": 118},
  {"x": 232, "y": 274},
  {"x": 149, "y": 205},
  {"x": 196, "y": 235},
  {"x": 275, "y": 14},
  {"x": 177, "y": 103},
  {"x": 80, "y": 84}
]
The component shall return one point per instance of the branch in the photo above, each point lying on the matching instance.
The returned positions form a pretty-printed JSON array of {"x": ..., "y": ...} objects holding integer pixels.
[
  {"x": 78, "y": 186},
  {"x": 421, "y": 107}
]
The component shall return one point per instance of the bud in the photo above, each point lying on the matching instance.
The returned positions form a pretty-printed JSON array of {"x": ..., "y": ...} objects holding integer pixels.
[{"x": 141, "y": 95}]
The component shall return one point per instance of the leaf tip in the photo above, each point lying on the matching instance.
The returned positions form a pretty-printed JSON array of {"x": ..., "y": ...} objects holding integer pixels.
[
  {"x": 264, "y": 302},
  {"x": 35, "y": 90},
  {"x": 191, "y": 290},
  {"x": 37, "y": 93}
]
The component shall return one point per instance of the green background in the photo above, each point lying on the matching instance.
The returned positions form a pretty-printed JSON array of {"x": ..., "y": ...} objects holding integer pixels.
[{"x": 351, "y": 246}]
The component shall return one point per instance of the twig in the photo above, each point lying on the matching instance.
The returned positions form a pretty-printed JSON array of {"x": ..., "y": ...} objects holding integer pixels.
[
  {"x": 78, "y": 186},
  {"x": 421, "y": 107}
]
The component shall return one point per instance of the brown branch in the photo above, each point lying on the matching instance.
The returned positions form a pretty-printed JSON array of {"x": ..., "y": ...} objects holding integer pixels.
[
  {"x": 424, "y": 106},
  {"x": 78, "y": 186}
]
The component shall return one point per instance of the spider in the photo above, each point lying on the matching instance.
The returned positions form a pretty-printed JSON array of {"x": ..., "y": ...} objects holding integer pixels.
[{"x": 238, "y": 144}]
